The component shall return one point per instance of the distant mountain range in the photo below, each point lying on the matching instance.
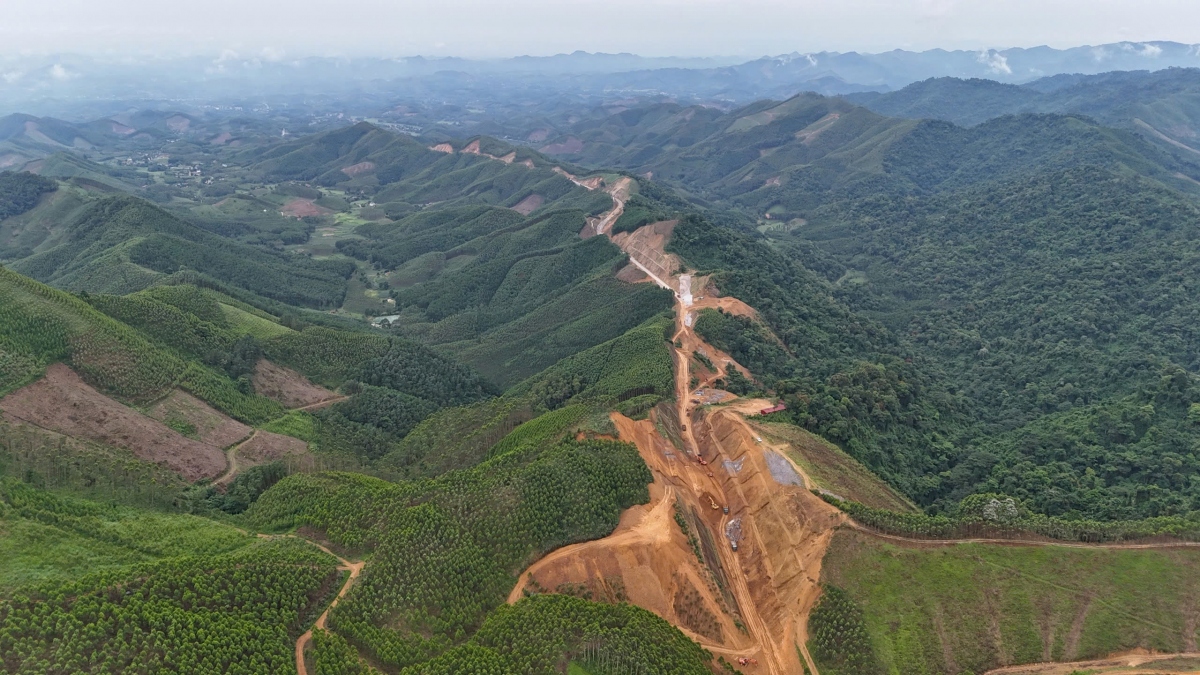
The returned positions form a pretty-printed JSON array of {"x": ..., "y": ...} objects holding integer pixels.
[{"x": 61, "y": 85}]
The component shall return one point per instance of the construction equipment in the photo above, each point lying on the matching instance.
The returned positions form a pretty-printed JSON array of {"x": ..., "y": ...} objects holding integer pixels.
[
  {"x": 714, "y": 503},
  {"x": 725, "y": 510}
]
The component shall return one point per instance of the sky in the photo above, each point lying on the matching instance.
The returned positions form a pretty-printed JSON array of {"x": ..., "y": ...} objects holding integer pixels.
[{"x": 501, "y": 28}]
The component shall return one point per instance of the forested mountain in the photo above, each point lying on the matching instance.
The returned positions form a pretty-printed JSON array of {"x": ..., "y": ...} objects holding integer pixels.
[
  {"x": 1165, "y": 103},
  {"x": 524, "y": 416},
  {"x": 785, "y": 158}
]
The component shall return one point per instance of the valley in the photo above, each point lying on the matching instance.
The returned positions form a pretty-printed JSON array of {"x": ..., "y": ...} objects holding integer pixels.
[{"x": 883, "y": 383}]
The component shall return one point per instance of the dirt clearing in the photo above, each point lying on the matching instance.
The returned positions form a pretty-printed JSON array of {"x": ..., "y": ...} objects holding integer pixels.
[
  {"x": 63, "y": 402},
  {"x": 299, "y": 207},
  {"x": 358, "y": 169},
  {"x": 211, "y": 427},
  {"x": 529, "y": 204},
  {"x": 268, "y": 447},
  {"x": 568, "y": 146},
  {"x": 645, "y": 247},
  {"x": 287, "y": 386}
]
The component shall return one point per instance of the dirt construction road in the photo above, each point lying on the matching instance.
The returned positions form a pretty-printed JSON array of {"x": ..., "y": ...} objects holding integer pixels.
[
  {"x": 748, "y": 603},
  {"x": 354, "y": 568}
]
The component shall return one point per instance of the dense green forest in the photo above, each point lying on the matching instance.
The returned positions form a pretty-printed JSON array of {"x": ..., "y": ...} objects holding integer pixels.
[
  {"x": 445, "y": 553},
  {"x": 124, "y": 244},
  {"x": 20, "y": 192},
  {"x": 189, "y": 599}
]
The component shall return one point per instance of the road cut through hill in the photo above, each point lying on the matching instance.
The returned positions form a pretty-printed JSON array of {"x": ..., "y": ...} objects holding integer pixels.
[{"x": 713, "y": 488}]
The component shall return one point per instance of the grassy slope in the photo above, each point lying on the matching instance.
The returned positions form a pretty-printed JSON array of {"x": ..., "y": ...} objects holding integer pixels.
[
  {"x": 48, "y": 537},
  {"x": 832, "y": 469},
  {"x": 975, "y": 607}
]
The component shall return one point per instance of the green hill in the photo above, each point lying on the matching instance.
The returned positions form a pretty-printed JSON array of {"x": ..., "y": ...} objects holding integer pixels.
[
  {"x": 1166, "y": 101},
  {"x": 403, "y": 173},
  {"x": 124, "y": 244}
]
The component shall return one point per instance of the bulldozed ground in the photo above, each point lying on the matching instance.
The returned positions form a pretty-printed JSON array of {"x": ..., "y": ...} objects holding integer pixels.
[
  {"x": 730, "y": 547},
  {"x": 721, "y": 479},
  {"x": 287, "y": 386},
  {"x": 62, "y": 402}
]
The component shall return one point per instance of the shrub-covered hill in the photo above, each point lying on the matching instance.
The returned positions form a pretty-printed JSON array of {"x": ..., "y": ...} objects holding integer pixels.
[
  {"x": 975, "y": 607},
  {"x": 445, "y": 553},
  {"x": 125, "y": 244},
  {"x": 402, "y": 174},
  {"x": 40, "y": 325},
  {"x": 139, "y": 347},
  {"x": 1167, "y": 100},
  {"x": 631, "y": 369},
  {"x": 788, "y": 158},
  {"x": 20, "y": 192},
  {"x": 114, "y": 590},
  {"x": 508, "y": 295}
]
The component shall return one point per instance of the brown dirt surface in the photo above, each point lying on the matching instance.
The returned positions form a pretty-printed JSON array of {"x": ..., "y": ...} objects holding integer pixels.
[
  {"x": 443, "y": 147},
  {"x": 212, "y": 427},
  {"x": 529, "y": 204},
  {"x": 568, "y": 146},
  {"x": 300, "y": 207},
  {"x": 358, "y": 169},
  {"x": 266, "y": 446},
  {"x": 63, "y": 402},
  {"x": 287, "y": 386},
  {"x": 538, "y": 135},
  {"x": 222, "y": 139},
  {"x": 121, "y": 129},
  {"x": 770, "y": 583},
  {"x": 645, "y": 247},
  {"x": 810, "y": 133},
  {"x": 471, "y": 148},
  {"x": 632, "y": 274}
]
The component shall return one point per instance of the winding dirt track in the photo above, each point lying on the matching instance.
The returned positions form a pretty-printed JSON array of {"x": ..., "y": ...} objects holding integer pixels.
[
  {"x": 354, "y": 568},
  {"x": 322, "y": 404},
  {"x": 1137, "y": 662},
  {"x": 231, "y": 459},
  {"x": 231, "y": 468}
]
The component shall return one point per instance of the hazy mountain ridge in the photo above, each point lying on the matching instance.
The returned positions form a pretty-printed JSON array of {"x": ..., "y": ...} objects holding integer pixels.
[{"x": 45, "y": 82}]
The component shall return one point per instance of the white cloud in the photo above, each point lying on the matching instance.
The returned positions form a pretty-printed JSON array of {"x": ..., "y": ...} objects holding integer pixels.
[
  {"x": 11, "y": 76},
  {"x": 59, "y": 73},
  {"x": 995, "y": 62},
  {"x": 1100, "y": 54},
  {"x": 1150, "y": 51},
  {"x": 271, "y": 54}
]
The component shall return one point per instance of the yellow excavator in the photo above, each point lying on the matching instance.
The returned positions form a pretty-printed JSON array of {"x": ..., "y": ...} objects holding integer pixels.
[{"x": 714, "y": 503}]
